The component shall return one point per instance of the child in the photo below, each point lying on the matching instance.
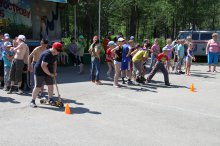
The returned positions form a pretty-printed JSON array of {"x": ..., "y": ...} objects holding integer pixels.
[
  {"x": 7, "y": 57},
  {"x": 125, "y": 64},
  {"x": 169, "y": 53},
  {"x": 180, "y": 55},
  {"x": 175, "y": 45},
  {"x": 189, "y": 58},
  {"x": 117, "y": 60},
  {"x": 109, "y": 58},
  {"x": 161, "y": 59},
  {"x": 138, "y": 58},
  {"x": 155, "y": 50}
]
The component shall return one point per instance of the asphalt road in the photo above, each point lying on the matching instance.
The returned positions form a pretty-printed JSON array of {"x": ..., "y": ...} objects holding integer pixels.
[{"x": 148, "y": 115}]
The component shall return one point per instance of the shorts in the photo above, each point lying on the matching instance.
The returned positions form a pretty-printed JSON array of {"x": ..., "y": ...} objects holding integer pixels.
[
  {"x": 137, "y": 68},
  {"x": 1, "y": 68},
  {"x": 116, "y": 62},
  {"x": 188, "y": 60},
  {"x": 125, "y": 66},
  {"x": 16, "y": 70},
  {"x": 40, "y": 80},
  {"x": 213, "y": 58}
]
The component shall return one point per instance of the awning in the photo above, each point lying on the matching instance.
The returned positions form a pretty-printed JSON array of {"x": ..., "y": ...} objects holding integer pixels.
[{"x": 58, "y": 1}]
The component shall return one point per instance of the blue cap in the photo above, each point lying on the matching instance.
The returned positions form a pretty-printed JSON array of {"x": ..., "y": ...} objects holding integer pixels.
[
  {"x": 111, "y": 43},
  {"x": 132, "y": 38},
  {"x": 7, "y": 44}
]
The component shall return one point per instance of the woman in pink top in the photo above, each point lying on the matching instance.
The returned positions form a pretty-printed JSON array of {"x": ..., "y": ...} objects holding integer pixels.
[{"x": 212, "y": 50}]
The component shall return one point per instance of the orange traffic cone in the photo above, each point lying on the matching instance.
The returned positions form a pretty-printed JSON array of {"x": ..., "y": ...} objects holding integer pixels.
[
  {"x": 67, "y": 109},
  {"x": 192, "y": 88}
]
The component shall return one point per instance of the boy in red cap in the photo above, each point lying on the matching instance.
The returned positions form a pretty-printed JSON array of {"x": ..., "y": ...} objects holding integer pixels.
[{"x": 44, "y": 71}]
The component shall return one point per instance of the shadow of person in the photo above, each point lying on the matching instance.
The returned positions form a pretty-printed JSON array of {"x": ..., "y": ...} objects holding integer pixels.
[
  {"x": 8, "y": 99},
  {"x": 65, "y": 100},
  {"x": 75, "y": 110}
]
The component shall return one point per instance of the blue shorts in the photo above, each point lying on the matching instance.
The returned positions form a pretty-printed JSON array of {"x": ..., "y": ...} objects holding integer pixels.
[
  {"x": 125, "y": 65},
  {"x": 213, "y": 58}
]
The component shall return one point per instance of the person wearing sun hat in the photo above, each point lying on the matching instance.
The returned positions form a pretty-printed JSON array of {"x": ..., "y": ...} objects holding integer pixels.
[
  {"x": 20, "y": 58},
  {"x": 44, "y": 71}
]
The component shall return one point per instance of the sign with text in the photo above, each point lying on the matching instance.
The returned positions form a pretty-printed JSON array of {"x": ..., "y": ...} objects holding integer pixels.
[{"x": 16, "y": 11}]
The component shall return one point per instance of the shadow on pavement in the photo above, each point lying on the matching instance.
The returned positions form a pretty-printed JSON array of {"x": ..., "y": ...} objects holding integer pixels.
[
  {"x": 8, "y": 99},
  {"x": 75, "y": 110},
  {"x": 202, "y": 75}
]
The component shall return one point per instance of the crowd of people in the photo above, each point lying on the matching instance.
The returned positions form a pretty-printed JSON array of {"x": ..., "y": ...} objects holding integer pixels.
[
  {"x": 130, "y": 59},
  {"x": 124, "y": 57}
]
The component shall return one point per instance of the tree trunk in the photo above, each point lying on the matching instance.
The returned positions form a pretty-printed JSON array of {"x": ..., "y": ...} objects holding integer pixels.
[{"x": 133, "y": 20}]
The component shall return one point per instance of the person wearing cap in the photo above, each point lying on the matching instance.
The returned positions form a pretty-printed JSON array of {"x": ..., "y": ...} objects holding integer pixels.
[
  {"x": 125, "y": 64},
  {"x": 139, "y": 56},
  {"x": 7, "y": 56},
  {"x": 6, "y": 37},
  {"x": 20, "y": 58},
  {"x": 212, "y": 52},
  {"x": 44, "y": 71},
  {"x": 34, "y": 57},
  {"x": 81, "y": 48},
  {"x": 94, "y": 50},
  {"x": 109, "y": 58},
  {"x": 1, "y": 60},
  {"x": 161, "y": 59},
  {"x": 117, "y": 60}
]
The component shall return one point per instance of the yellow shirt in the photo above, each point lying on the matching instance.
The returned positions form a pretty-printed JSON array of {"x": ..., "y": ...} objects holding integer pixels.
[{"x": 140, "y": 55}]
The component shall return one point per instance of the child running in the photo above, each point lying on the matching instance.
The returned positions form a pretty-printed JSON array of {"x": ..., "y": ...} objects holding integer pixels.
[
  {"x": 109, "y": 58},
  {"x": 189, "y": 58},
  {"x": 161, "y": 58}
]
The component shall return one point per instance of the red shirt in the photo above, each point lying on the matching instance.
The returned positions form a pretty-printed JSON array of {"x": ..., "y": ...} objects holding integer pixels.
[
  {"x": 108, "y": 54},
  {"x": 162, "y": 57},
  {"x": 105, "y": 44}
]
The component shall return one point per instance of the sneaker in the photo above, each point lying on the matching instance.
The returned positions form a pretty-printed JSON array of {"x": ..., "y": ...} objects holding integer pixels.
[
  {"x": 167, "y": 84},
  {"x": 33, "y": 104},
  {"x": 147, "y": 81},
  {"x": 52, "y": 102},
  {"x": 129, "y": 82},
  {"x": 98, "y": 83},
  {"x": 109, "y": 78},
  {"x": 10, "y": 90},
  {"x": 143, "y": 79},
  {"x": 20, "y": 92}
]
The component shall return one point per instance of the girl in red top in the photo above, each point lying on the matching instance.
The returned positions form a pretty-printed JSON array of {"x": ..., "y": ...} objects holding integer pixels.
[{"x": 109, "y": 58}]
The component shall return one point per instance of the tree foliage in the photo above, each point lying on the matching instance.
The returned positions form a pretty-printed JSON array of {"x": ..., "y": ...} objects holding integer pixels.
[{"x": 142, "y": 18}]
